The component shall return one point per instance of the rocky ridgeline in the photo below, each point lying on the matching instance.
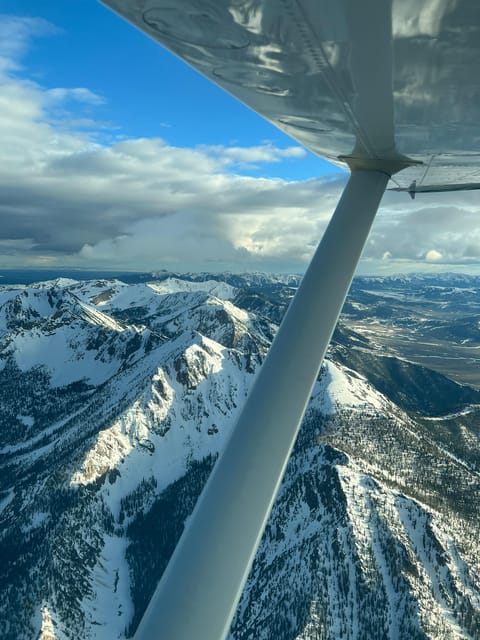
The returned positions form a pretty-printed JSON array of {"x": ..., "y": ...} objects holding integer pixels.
[{"x": 115, "y": 402}]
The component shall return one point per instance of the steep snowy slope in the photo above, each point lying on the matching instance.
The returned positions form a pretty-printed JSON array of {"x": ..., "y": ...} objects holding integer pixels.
[{"x": 115, "y": 401}]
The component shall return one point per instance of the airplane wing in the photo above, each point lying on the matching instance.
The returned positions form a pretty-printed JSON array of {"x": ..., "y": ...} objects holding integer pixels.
[
  {"x": 312, "y": 69},
  {"x": 389, "y": 88}
]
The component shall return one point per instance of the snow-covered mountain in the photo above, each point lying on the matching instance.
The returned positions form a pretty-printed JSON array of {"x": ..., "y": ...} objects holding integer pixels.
[{"x": 115, "y": 401}]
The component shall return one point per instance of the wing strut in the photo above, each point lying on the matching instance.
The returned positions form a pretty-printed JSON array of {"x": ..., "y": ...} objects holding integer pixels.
[{"x": 198, "y": 593}]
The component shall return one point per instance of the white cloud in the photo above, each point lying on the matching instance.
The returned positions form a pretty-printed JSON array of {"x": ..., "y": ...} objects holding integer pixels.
[
  {"x": 251, "y": 156},
  {"x": 433, "y": 256},
  {"x": 80, "y": 94},
  {"x": 15, "y": 36},
  {"x": 441, "y": 229}
]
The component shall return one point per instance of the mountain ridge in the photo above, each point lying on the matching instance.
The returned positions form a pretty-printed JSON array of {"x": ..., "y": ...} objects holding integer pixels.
[{"x": 374, "y": 533}]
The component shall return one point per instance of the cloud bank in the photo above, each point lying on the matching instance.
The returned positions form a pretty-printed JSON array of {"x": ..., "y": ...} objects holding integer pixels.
[{"x": 70, "y": 195}]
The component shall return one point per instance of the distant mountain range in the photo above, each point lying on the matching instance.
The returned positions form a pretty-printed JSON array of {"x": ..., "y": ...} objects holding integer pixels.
[{"x": 116, "y": 397}]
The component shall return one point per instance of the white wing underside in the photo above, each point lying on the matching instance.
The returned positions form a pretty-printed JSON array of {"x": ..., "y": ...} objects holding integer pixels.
[{"x": 349, "y": 80}]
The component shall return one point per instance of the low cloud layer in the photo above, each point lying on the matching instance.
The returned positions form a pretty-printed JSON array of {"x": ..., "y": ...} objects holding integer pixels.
[
  {"x": 441, "y": 231},
  {"x": 67, "y": 197}
]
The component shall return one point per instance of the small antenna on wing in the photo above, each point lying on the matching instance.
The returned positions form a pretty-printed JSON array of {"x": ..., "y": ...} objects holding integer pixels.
[{"x": 412, "y": 189}]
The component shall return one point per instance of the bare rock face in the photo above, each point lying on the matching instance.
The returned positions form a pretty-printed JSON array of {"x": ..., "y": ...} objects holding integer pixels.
[{"x": 115, "y": 400}]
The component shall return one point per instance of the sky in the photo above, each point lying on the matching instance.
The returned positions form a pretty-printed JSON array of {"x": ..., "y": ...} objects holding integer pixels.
[{"x": 116, "y": 155}]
